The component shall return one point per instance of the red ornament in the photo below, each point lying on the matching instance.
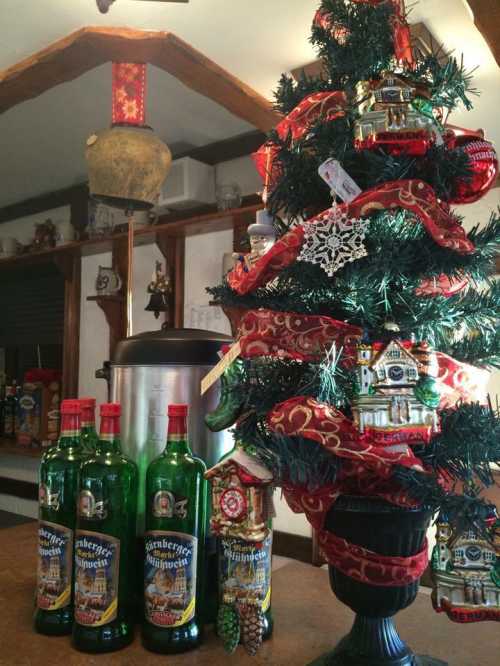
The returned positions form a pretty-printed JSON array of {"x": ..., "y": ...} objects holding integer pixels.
[
  {"x": 338, "y": 32},
  {"x": 483, "y": 162}
]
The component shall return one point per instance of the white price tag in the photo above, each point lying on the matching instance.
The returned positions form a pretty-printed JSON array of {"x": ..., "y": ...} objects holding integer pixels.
[
  {"x": 338, "y": 180},
  {"x": 216, "y": 371}
]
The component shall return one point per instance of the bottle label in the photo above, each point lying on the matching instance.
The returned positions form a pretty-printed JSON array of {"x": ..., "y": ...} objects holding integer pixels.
[
  {"x": 170, "y": 578},
  {"x": 245, "y": 572},
  {"x": 90, "y": 508},
  {"x": 48, "y": 499},
  {"x": 97, "y": 558},
  {"x": 55, "y": 565},
  {"x": 168, "y": 505},
  {"x": 9, "y": 422}
]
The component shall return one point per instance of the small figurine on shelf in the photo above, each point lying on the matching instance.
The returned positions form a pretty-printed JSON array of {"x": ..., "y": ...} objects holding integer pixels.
[
  {"x": 45, "y": 236},
  {"x": 466, "y": 570},
  {"x": 159, "y": 288},
  {"x": 262, "y": 235}
]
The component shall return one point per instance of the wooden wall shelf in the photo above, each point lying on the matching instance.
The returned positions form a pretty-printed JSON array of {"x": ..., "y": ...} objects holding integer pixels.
[{"x": 177, "y": 225}]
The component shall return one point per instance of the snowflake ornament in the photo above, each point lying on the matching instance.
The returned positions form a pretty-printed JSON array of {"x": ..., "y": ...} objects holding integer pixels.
[{"x": 333, "y": 241}]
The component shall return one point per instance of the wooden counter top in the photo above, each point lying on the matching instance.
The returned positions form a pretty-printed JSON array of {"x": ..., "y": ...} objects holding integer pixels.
[{"x": 308, "y": 622}]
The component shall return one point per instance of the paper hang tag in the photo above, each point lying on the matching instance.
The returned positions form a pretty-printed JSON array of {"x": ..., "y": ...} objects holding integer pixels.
[
  {"x": 338, "y": 180},
  {"x": 216, "y": 371}
]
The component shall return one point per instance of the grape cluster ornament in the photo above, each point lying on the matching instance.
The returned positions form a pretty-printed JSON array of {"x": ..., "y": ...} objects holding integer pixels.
[{"x": 334, "y": 241}]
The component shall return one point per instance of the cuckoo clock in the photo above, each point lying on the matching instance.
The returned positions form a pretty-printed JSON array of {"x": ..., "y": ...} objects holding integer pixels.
[{"x": 241, "y": 497}]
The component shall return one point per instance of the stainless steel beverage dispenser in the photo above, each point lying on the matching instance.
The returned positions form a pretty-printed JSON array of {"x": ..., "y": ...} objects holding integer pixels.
[{"x": 151, "y": 370}]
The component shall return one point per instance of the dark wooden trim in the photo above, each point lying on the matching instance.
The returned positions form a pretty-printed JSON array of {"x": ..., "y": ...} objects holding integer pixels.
[
  {"x": 119, "y": 315},
  {"x": 292, "y": 545},
  {"x": 173, "y": 249},
  {"x": 112, "y": 306},
  {"x": 69, "y": 196},
  {"x": 23, "y": 489},
  {"x": 228, "y": 149},
  {"x": 70, "y": 265},
  {"x": 487, "y": 21},
  {"x": 87, "y": 48},
  {"x": 77, "y": 196}
]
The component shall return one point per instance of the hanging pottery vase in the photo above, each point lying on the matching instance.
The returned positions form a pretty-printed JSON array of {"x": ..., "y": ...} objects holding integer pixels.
[{"x": 127, "y": 166}]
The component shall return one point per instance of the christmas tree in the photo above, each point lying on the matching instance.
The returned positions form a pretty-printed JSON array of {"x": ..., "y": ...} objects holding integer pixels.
[{"x": 366, "y": 317}]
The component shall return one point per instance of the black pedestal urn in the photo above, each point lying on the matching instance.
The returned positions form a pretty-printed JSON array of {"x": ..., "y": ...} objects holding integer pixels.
[{"x": 389, "y": 531}]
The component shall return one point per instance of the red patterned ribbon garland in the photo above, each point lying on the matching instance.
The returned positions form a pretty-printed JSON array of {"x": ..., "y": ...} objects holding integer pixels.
[
  {"x": 413, "y": 195},
  {"x": 326, "y": 105},
  {"x": 365, "y": 566},
  {"x": 419, "y": 198},
  {"x": 306, "y": 417},
  {"x": 129, "y": 90},
  {"x": 460, "y": 382},
  {"x": 284, "y": 252},
  {"x": 291, "y": 335}
]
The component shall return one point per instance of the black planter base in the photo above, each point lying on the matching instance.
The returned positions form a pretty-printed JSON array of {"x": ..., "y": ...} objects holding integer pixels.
[
  {"x": 374, "y": 642},
  {"x": 330, "y": 660}
]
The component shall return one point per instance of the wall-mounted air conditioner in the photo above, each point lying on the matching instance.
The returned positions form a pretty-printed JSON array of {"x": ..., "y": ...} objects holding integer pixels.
[{"x": 189, "y": 184}]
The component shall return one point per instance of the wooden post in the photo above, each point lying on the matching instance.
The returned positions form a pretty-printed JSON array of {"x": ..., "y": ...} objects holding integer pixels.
[
  {"x": 173, "y": 249},
  {"x": 69, "y": 263}
]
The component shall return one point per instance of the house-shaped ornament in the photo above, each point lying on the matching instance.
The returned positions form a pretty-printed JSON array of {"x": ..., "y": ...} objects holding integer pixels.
[
  {"x": 388, "y": 119},
  {"x": 387, "y": 407},
  {"x": 466, "y": 572},
  {"x": 241, "y": 497}
]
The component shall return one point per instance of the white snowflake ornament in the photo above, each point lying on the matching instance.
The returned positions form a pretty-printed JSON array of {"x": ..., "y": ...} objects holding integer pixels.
[{"x": 333, "y": 241}]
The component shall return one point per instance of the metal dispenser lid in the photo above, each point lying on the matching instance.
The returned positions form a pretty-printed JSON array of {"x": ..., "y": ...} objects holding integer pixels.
[{"x": 173, "y": 346}]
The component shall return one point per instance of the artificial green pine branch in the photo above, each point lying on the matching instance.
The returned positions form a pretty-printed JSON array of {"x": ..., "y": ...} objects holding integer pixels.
[
  {"x": 292, "y": 460},
  {"x": 463, "y": 510},
  {"x": 468, "y": 444},
  {"x": 479, "y": 348},
  {"x": 366, "y": 47}
]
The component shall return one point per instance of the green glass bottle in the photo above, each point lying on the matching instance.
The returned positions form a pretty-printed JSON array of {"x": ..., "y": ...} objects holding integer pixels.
[
  {"x": 57, "y": 494},
  {"x": 176, "y": 497},
  {"x": 105, "y": 553},
  {"x": 87, "y": 426}
]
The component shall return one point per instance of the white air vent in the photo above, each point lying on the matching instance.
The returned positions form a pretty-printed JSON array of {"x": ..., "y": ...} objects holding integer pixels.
[{"x": 189, "y": 184}]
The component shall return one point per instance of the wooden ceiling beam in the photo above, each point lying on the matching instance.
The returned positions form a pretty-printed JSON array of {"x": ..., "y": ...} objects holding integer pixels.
[
  {"x": 487, "y": 20},
  {"x": 87, "y": 48}
]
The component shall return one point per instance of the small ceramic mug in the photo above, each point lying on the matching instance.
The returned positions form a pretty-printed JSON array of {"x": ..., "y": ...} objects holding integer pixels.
[{"x": 65, "y": 232}]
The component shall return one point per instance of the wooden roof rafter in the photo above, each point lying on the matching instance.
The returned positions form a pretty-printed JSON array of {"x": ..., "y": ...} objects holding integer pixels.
[
  {"x": 87, "y": 48},
  {"x": 486, "y": 15}
]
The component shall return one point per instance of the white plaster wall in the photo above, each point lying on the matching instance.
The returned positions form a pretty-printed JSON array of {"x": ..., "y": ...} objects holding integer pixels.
[
  {"x": 241, "y": 171},
  {"x": 94, "y": 331},
  {"x": 203, "y": 268}
]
